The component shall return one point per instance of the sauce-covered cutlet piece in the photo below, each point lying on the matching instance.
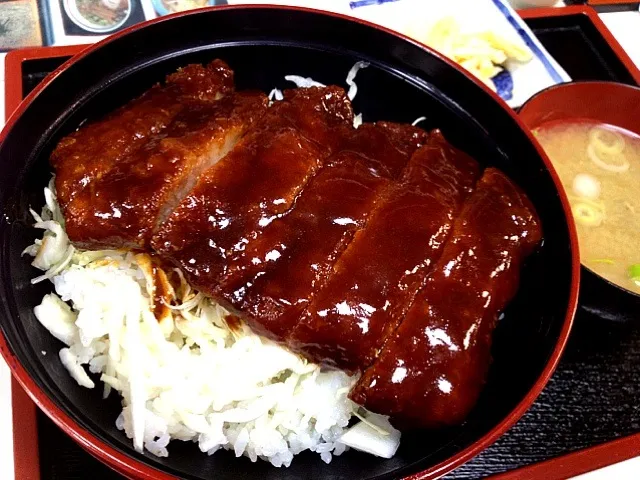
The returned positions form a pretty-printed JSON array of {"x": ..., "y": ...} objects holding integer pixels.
[
  {"x": 431, "y": 372},
  {"x": 258, "y": 181},
  {"x": 125, "y": 205},
  {"x": 234, "y": 200},
  {"x": 384, "y": 147},
  {"x": 375, "y": 280},
  {"x": 85, "y": 155},
  {"x": 322, "y": 114},
  {"x": 301, "y": 247}
]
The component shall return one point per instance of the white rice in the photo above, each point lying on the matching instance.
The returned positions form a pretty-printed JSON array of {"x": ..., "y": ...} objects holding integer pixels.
[{"x": 189, "y": 376}]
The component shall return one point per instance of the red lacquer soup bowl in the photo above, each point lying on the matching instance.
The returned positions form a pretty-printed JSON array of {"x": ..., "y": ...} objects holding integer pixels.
[
  {"x": 404, "y": 81},
  {"x": 601, "y": 102}
]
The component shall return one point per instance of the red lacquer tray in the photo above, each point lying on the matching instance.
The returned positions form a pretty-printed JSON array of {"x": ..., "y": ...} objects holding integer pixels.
[
  {"x": 599, "y": 57},
  {"x": 25, "y": 431},
  {"x": 577, "y": 463},
  {"x": 552, "y": 18}
]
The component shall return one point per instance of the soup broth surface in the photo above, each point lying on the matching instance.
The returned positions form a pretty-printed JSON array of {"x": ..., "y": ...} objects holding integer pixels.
[{"x": 599, "y": 166}]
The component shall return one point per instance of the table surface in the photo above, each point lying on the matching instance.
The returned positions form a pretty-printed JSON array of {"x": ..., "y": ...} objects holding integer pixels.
[{"x": 602, "y": 352}]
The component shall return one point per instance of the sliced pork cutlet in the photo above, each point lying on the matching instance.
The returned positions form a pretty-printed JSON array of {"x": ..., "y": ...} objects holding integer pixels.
[
  {"x": 322, "y": 114},
  {"x": 375, "y": 280},
  {"x": 431, "y": 371},
  {"x": 129, "y": 202},
  {"x": 258, "y": 181},
  {"x": 301, "y": 247},
  {"x": 383, "y": 146},
  {"x": 386, "y": 145},
  {"x": 87, "y": 154}
]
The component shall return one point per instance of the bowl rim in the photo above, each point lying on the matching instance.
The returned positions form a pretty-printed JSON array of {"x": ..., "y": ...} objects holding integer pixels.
[
  {"x": 127, "y": 464},
  {"x": 575, "y": 84},
  {"x": 604, "y": 84}
]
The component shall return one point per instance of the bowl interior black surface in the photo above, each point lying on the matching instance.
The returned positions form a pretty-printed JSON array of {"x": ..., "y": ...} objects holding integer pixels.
[{"x": 262, "y": 45}]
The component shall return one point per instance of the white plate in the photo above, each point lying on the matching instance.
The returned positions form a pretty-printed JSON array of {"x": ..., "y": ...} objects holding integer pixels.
[{"x": 473, "y": 15}]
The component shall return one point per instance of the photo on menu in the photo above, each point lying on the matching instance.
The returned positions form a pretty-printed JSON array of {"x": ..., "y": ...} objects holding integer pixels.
[
  {"x": 99, "y": 17},
  {"x": 165, "y": 7},
  {"x": 19, "y": 24}
]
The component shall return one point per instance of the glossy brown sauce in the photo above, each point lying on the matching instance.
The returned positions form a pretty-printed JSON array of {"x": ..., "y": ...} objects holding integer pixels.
[
  {"x": 87, "y": 154},
  {"x": 234, "y": 201},
  {"x": 215, "y": 227},
  {"x": 234, "y": 323},
  {"x": 163, "y": 294},
  {"x": 306, "y": 243},
  {"x": 432, "y": 369},
  {"x": 386, "y": 146},
  {"x": 159, "y": 287},
  {"x": 373, "y": 283},
  {"x": 393, "y": 142},
  {"x": 124, "y": 205},
  {"x": 321, "y": 114}
]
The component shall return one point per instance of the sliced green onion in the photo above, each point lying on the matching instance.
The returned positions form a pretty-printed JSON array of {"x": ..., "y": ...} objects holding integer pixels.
[
  {"x": 634, "y": 273},
  {"x": 608, "y": 261},
  {"x": 617, "y": 163},
  {"x": 587, "y": 214},
  {"x": 606, "y": 141}
]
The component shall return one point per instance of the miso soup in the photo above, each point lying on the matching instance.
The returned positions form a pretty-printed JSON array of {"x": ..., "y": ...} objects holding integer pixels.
[{"x": 599, "y": 166}]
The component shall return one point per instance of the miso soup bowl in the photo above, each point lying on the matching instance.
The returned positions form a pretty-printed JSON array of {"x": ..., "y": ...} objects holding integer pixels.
[
  {"x": 606, "y": 102},
  {"x": 404, "y": 81}
]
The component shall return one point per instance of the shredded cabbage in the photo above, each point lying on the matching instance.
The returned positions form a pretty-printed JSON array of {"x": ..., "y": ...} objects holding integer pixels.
[
  {"x": 302, "y": 82},
  {"x": 353, "y": 88}
]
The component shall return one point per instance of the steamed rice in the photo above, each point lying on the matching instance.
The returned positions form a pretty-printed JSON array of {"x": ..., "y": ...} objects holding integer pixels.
[{"x": 189, "y": 376}]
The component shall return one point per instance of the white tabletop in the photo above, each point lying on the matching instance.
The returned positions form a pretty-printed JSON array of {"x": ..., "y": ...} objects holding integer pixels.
[{"x": 624, "y": 26}]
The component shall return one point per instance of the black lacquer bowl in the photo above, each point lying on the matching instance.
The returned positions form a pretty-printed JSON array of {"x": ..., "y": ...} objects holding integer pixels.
[{"x": 404, "y": 81}]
